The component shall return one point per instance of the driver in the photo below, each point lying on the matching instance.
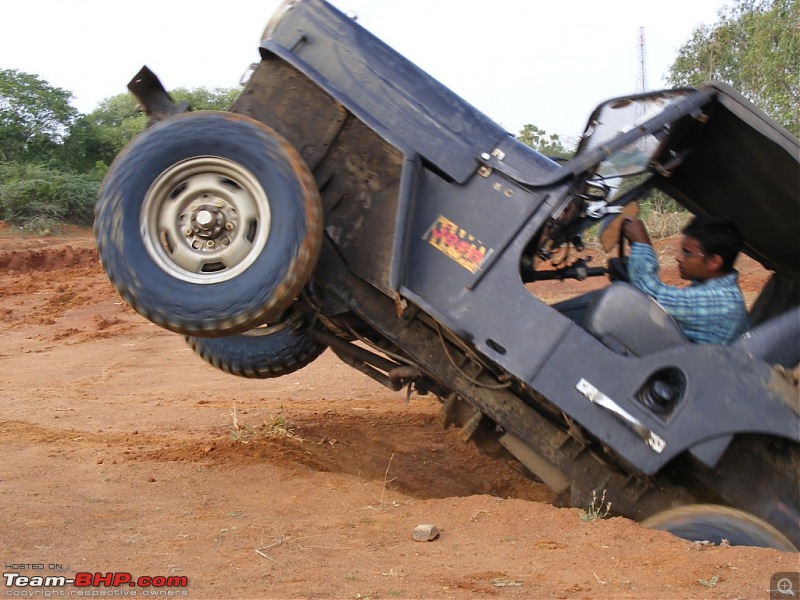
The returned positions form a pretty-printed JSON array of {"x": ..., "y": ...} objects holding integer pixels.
[{"x": 711, "y": 309}]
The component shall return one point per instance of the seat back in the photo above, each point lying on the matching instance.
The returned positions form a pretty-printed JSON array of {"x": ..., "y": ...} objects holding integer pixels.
[
  {"x": 575, "y": 308},
  {"x": 776, "y": 341},
  {"x": 630, "y": 322}
]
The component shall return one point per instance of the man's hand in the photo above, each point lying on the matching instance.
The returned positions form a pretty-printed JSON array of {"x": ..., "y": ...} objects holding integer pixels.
[{"x": 635, "y": 231}]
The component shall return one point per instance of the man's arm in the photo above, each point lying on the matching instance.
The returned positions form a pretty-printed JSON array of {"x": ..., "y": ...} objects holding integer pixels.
[
  {"x": 635, "y": 231},
  {"x": 643, "y": 265},
  {"x": 643, "y": 271}
]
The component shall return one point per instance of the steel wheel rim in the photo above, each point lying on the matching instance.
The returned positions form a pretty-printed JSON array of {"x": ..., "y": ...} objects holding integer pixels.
[{"x": 205, "y": 220}]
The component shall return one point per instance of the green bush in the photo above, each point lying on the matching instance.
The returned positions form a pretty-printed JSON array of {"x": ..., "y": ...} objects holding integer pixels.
[{"x": 39, "y": 197}]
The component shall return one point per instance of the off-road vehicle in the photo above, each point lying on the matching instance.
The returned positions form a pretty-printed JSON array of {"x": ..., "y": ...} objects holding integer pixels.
[{"x": 349, "y": 201}]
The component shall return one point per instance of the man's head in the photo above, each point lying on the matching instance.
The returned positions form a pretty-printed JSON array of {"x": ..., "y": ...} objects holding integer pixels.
[{"x": 709, "y": 248}]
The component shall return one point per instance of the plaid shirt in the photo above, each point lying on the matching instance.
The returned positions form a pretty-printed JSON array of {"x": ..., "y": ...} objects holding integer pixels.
[{"x": 708, "y": 312}]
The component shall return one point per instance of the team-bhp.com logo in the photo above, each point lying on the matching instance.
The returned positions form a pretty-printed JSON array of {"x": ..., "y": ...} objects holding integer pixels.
[{"x": 94, "y": 584}]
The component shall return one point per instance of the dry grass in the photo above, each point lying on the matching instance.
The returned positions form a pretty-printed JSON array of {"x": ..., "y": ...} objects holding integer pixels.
[
  {"x": 662, "y": 225},
  {"x": 273, "y": 426},
  {"x": 599, "y": 508}
]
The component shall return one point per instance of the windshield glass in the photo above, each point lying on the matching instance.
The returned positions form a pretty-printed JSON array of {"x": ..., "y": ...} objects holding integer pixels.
[{"x": 620, "y": 116}]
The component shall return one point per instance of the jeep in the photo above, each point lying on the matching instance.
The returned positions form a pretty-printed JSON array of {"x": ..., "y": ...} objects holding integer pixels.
[{"x": 347, "y": 200}]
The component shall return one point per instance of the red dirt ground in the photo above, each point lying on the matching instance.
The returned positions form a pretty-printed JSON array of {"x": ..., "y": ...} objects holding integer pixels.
[{"x": 124, "y": 452}]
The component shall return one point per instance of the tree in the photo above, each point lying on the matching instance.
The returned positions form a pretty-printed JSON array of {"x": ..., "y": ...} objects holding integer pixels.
[
  {"x": 754, "y": 47},
  {"x": 34, "y": 117},
  {"x": 95, "y": 139},
  {"x": 98, "y": 137},
  {"x": 549, "y": 145},
  {"x": 204, "y": 99}
]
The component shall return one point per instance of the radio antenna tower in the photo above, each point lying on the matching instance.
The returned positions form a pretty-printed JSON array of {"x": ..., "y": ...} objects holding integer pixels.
[{"x": 641, "y": 79}]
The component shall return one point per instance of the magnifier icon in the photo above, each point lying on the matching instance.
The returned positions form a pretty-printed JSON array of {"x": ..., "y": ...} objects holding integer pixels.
[{"x": 784, "y": 586}]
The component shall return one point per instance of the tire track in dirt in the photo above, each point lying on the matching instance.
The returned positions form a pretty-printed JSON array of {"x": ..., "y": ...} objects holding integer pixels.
[
  {"x": 404, "y": 451},
  {"x": 409, "y": 452}
]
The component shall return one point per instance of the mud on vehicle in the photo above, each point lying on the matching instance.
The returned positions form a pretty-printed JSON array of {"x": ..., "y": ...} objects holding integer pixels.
[{"x": 349, "y": 201}]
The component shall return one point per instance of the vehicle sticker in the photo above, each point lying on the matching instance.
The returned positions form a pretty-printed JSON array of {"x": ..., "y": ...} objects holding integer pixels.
[{"x": 456, "y": 243}]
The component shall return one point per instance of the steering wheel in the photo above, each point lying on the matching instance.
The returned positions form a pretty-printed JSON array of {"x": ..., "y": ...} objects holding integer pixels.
[
  {"x": 618, "y": 265},
  {"x": 621, "y": 241}
]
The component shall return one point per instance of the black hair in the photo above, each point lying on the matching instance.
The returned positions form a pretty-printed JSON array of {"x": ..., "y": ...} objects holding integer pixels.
[{"x": 717, "y": 236}]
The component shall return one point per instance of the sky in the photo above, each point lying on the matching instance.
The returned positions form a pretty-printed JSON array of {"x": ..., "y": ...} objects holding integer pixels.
[{"x": 518, "y": 61}]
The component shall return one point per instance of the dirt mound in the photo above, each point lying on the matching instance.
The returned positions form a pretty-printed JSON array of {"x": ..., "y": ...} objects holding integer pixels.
[{"x": 48, "y": 259}]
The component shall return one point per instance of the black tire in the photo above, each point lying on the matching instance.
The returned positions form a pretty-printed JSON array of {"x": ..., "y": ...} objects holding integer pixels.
[
  {"x": 209, "y": 224},
  {"x": 713, "y": 523},
  {"x": 260, "y": 353}
]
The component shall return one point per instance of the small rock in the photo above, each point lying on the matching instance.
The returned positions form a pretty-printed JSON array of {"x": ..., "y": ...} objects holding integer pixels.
[
  {"x": 151, "y": 479},
  {"x": 425, "y": 533}
]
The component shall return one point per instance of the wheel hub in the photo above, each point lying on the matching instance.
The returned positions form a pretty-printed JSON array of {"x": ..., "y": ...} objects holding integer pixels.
[
  {"x": 210, "y": 223},
  {"x": 205, "y": 219}
]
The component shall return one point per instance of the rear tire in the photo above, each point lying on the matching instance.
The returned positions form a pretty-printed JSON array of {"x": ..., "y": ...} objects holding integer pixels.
[
  {"x": 713, "y": 523},
  {"x": 261, "y": 353}
]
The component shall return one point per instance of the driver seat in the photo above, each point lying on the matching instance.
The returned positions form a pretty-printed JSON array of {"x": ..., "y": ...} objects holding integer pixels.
[{"x": 630, "y": 322}]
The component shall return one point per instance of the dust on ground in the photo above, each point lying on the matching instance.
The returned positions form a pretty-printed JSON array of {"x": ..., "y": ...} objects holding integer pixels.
[{"x": 124, "y": 452}]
